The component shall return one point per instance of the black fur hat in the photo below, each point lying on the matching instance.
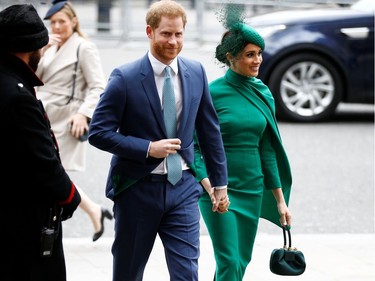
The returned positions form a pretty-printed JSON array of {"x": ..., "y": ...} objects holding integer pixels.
[{"x": 21, "y": 29}]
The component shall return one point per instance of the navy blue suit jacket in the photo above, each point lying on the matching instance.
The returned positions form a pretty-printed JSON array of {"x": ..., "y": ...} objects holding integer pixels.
[{"x": 129, "y": 116}]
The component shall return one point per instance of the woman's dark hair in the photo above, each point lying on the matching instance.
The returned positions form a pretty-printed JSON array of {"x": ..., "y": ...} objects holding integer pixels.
[{"x": 233, "y": 43}]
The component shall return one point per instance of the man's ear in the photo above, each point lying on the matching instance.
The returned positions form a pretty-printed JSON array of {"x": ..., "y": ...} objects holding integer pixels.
[{"x": 149, "y": 31}]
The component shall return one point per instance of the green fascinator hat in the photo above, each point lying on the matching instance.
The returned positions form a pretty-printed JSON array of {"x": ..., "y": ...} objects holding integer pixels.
[
  {"x": 238, "y": 33},
  {"x": 249, "y": 34}
]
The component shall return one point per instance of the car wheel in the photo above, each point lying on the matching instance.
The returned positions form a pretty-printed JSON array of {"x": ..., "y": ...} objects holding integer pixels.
[{"x": 306, "y": 88}]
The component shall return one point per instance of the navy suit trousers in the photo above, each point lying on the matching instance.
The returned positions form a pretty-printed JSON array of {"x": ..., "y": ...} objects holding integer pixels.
[{"x": 153, "y": 207}]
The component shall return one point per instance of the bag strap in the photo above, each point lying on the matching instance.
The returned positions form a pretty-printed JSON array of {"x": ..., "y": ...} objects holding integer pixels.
[
  {"x": 286, "y": 229},
  {"x": 74, "y": 76}
]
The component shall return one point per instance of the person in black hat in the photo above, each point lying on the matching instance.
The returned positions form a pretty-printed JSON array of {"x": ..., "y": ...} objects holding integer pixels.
[
  {"x": 37, "y": 194},
  {"x": 70, "y": 100}
]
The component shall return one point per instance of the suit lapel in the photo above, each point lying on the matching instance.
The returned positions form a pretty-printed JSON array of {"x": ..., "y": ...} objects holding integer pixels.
[
  {"x": 149, "y": 86},
  {"x": 186, "y": 96}
]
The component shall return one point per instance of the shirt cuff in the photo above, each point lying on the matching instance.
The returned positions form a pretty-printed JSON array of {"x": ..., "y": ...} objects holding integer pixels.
[
  {"x": 148, "y": 149},
  {"x": 220, "y": 187}
]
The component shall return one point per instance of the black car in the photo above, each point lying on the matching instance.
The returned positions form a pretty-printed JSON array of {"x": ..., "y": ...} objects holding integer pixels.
[{"x": 317, "y": 58}]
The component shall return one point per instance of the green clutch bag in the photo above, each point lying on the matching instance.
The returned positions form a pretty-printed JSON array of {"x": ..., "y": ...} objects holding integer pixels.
[{"x": 287, "y": 260}]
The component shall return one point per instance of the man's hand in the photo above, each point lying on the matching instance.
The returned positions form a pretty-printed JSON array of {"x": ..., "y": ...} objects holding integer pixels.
[
  {"x": 221, "y": 202},
  {"x": 162, "y": 148}
]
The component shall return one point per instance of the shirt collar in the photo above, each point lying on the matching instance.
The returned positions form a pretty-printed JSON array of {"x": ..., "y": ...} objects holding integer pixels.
[{"x": 159, "y": 67}]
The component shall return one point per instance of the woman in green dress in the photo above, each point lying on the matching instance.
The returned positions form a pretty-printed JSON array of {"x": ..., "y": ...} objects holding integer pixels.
[{"x": 258, "y": 168}]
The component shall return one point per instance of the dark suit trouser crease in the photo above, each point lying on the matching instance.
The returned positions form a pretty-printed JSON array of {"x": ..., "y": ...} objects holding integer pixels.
[{"x": 153, "y": 206}]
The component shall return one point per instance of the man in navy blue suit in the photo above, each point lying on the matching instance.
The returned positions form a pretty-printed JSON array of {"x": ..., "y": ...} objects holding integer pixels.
[{"x": 128, "y": 122}]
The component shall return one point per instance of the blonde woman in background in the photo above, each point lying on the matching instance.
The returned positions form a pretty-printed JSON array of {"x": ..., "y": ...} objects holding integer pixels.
[{"x": 69, "y": 112}]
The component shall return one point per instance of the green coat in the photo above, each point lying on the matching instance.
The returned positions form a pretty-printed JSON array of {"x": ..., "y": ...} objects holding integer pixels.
[{"x": 257, "y": 163}]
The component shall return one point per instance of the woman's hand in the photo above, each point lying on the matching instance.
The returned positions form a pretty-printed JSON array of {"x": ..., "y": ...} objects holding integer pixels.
[
  {"x": 54, "y": 39},
  {"x": 285, "y": 215},
  {"x": 78, "y": 125},
  {"x": 207, "y": 186}
]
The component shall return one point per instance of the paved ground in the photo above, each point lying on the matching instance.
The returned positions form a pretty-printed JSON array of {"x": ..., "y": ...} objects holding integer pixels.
[{"x": 329, "y": 257}]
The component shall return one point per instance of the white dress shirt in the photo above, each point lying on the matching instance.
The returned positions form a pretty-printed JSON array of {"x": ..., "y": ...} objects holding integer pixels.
[{"x": 159, "y": 74}]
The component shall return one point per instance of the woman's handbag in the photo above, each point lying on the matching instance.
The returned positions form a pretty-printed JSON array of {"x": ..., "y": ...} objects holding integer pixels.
[
  {"x": 287, "y": 260},
  {"x": 85, "y": 135}
]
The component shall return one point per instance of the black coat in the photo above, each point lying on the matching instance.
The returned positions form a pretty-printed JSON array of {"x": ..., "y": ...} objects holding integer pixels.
[{"x": 32, "y": 178}]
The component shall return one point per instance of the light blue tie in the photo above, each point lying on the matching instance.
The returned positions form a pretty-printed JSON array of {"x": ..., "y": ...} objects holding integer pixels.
[{"x": 170, "y": 120}]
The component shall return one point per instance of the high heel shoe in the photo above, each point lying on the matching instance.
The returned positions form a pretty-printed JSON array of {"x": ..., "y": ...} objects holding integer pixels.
[{"x": 105, "y": 214}]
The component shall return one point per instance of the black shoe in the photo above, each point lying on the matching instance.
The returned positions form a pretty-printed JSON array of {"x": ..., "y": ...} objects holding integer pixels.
[{"x": 105, "y": 214}]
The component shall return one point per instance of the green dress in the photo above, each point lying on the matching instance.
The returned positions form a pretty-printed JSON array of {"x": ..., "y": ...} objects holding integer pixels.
[{"x": 256, "y": 162}]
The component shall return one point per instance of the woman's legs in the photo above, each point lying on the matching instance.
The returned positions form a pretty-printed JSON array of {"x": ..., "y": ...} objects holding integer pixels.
[{"x": 95, "y": 212}]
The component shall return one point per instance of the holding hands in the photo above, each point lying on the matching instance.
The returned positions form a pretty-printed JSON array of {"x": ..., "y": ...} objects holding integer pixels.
[{"x": 219, "y": 197}]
